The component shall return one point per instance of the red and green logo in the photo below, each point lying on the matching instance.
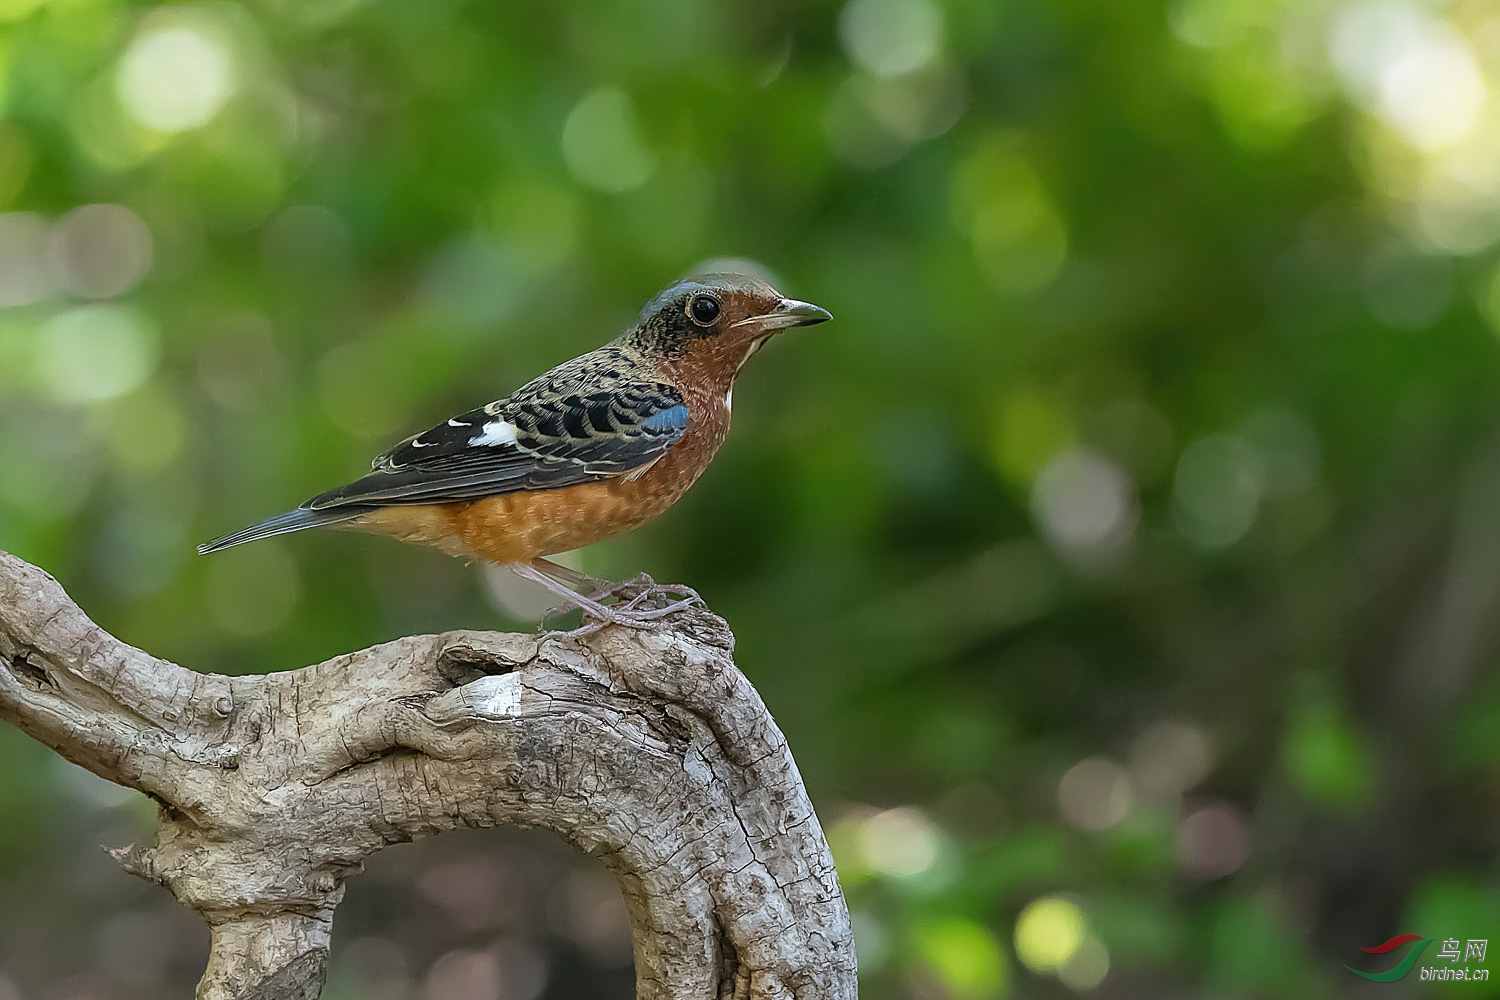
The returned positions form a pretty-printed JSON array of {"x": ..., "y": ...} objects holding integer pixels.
[{"x": 1401, "y": 968}]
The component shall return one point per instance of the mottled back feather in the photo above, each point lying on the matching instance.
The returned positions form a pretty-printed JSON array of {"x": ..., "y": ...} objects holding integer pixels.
[{"x": 599, "y": 415}]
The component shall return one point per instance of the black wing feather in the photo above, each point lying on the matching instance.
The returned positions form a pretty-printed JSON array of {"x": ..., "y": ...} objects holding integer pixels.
[{"x": 561, "y": 438}]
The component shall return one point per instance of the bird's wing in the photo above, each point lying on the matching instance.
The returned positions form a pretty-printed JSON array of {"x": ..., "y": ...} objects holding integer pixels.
[{"x": 538, "y": 439}]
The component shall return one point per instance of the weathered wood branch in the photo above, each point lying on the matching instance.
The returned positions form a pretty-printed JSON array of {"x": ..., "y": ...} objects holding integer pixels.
[{"x": 648, "y": 749}]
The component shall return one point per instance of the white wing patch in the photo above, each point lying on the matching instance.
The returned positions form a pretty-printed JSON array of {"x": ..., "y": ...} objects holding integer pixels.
[{"x": 496, "y": 433}]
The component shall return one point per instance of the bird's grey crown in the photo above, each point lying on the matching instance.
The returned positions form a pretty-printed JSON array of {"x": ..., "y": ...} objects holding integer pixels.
[
  {"x": 664, "y": 328},
  {"x": 675, "y": 295}
]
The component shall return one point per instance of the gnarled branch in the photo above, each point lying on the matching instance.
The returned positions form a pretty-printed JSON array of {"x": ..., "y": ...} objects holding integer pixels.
[{"x": 648, "y": 749}]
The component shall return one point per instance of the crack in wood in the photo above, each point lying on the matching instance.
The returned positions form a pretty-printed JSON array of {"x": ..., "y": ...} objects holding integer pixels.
[{"x": 23, "y": 667}]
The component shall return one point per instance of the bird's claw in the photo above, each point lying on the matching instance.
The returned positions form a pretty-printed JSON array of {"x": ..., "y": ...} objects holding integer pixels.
[
  {"x": 627, "y": 607},
  {"x": 641, "y": 588}
]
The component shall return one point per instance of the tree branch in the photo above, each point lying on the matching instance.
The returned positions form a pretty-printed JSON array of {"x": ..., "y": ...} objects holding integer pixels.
[{"x": 648, "y": 749}]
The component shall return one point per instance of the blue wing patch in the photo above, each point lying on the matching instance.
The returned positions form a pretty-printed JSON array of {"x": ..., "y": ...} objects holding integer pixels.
[{"x": 672, "y": 421}]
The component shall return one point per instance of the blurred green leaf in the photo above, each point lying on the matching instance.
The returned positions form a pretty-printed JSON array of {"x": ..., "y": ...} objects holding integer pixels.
[
  {"x": 965, "y": 957},
  {"x": 1327, "y": 758},
  {"x": 1451, "y": 906},
  {"x": 1254, "y": 949}
]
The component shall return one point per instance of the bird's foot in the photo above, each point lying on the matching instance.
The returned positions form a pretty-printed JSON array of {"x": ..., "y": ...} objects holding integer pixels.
[
  {"x": 642, "y": 590},
  {"x": 597, "y": 616}
]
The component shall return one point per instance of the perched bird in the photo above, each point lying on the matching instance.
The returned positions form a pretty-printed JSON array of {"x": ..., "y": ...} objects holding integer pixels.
[{"x": 600, "y": 444}]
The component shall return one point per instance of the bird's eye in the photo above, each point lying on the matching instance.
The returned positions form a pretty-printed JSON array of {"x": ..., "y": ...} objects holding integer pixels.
[{"x": 704, "y": 309}]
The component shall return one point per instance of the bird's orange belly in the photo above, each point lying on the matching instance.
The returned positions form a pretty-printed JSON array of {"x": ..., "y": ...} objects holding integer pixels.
[{"x": 519, "y": 527}]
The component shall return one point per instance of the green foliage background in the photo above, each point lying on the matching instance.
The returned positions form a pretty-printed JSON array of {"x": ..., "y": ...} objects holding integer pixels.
[{"x": 1155, "y": 394}]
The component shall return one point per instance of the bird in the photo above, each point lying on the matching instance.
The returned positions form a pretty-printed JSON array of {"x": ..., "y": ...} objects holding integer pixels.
[{"x": 598, "y": 445}]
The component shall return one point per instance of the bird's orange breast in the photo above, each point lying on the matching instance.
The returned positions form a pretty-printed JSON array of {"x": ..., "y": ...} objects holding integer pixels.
[{"x": 519, "y": 527}]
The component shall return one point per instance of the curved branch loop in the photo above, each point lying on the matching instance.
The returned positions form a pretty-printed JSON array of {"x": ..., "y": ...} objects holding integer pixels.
[{"x": 648, "y": 749}]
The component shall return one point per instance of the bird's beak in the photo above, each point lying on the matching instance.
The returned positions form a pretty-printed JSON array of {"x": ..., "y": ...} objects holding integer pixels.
[{"x": 788, "y": 312}]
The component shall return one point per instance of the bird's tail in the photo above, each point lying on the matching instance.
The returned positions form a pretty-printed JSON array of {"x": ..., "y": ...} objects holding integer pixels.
[{"x": 281, "y": 524}]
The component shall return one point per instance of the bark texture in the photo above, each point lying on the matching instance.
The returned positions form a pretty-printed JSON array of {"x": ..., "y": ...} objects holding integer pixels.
[{"x": 647, "y": 749}]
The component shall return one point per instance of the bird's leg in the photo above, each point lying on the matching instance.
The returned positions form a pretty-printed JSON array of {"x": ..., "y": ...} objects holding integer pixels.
[
  {"x": 572, "y": 598},
  {"x": 602, "y": 614},
  {"x": 573, "y": 579},
  {"x": 631, "y": 594}
]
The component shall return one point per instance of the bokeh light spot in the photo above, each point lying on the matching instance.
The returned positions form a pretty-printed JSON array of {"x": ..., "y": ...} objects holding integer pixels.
[
  {"x": 871, "y": 121},
  {"x": 24, "y": 275},
  {"x": 1368, "y": 37},
  {"x": 1019, "y": 238},
  {"x": 1085, "y": 503},
  {"x": 100, "y": 251},
  {"x": 175, "y": 77},
  {"x": 1432, "y": 93},
  {"x": 1049, "y": 932},
  {"x": 1217, "y": 490},
  {"x": 918, "y": 106},
  {"x": 523, "y": 970},
  {"x": 111, "y": 139},
  {"x": 145, "y": 430},
  {"x": 1088, "y": 966},
  {"x": 899, "y": 843},
  {"x": 891, "y": 37},
  {"x": 855, "y": 134},
  {"x": 1210, "y": 24},
  {"x": 966, "y": 958},
  {"x": 591, "y": 911},
  {"x": 464, "y": 974},
  {"x": 1095, "y": 794},
  {"x": 1212, "y": 842},
  {"x": 512, "y": 970},
  {"x": 602, "y": 142},
  {"x": 89, "y": 354},
  {"x": 472, "y": 890},
  {"x": 1170, "y": 757}
]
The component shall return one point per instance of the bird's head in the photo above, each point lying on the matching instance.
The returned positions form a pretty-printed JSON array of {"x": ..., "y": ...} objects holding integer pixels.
[{"x": 711, "y": 324}]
